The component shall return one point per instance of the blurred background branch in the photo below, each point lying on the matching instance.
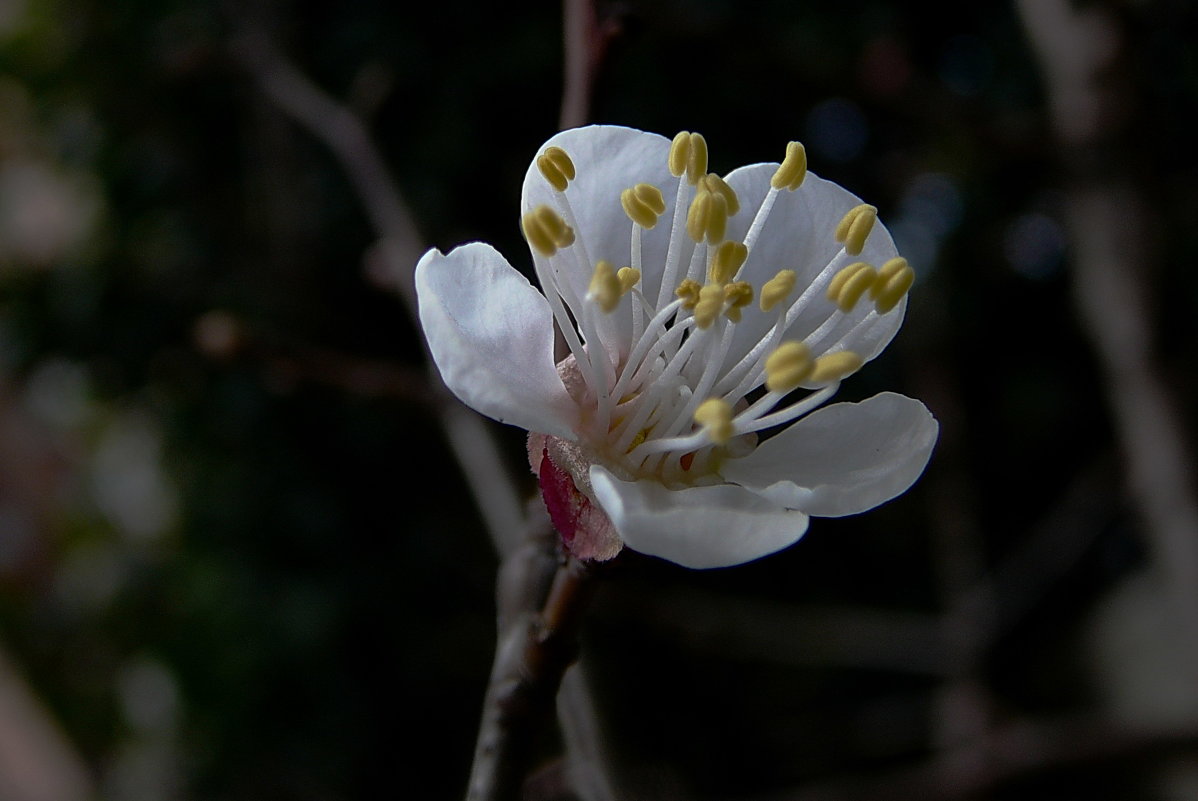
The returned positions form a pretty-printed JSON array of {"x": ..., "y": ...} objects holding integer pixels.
[
  {"x": 399, "y": 248},
  {"x": 1091, "y": 96},
  {"x": 37, "y": 762}
]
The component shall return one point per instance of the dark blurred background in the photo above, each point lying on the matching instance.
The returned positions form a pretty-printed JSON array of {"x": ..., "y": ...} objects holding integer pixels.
[{"x": 239, "y": 561}]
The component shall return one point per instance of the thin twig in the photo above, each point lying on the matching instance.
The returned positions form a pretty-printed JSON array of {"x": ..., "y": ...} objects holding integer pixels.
[
  {"x": 399, "y": 247},
  {"x": 579, "y": 61},
  {"x": 1106, "y": 213},
  {"x": 587, "y": 36},
  {"x": 587, "y": 759},
  {"x": 1017, "y": 585},
  {"x": 529, "y": 664},
  {"x": 37, "y": 763}
]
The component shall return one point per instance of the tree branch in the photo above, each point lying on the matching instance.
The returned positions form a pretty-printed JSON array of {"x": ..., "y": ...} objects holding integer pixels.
[
  {"x": 399, "y": 248},
  {"x": 36, "y": 761},
  {"x": 1106, "y": 213},
  {"x": 530, "y": 660}
]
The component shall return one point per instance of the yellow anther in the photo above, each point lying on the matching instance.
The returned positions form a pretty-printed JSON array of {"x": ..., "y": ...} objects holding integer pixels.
[
  {"x": 549, "y": 219},
  {"x": 726, "y": 262},
  {"x": 737, "y": 295},
  {"x": 855, "y": 226},
  {"x": 892, "y": 283},
  {"x": 556, "y": 167},
  {"x": 848, "y": 285},
  {"x": 688, "y": 290},
  {"x": 546, "y": 231},
  {"x": 680, "y": 150},
  {"x": 688, "y": 154},
  {"x": 792, "y": 170},
  {"x": 788, "y": 366},
  {"x": 715, "y": 415},
  {"x": 651, "y": 196},
  {"x": 552, "y": 174},
  {"x": 838, "y": 281},
  {"x": 888, "y": 270},
  {"x": 562, "y": 160},
  {"x": 707, "y": 217},
  {"x": 717, "y": 185},
  {"x": 696, "y": 159},
  {"x": 835, "y": 366},
  {"x": 605, "y": 287},
  {"x": 775, "y": 290},
  {"x": 711, "y": 303},
  {"x": 643, "y": 203},
  {"x": 628, "y": 278}
]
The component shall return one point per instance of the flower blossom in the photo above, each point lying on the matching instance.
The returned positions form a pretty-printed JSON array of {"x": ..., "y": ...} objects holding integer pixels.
[{"x": 704, "y": 323}]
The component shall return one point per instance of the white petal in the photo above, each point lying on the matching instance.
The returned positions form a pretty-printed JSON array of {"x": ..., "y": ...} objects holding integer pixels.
[
  {"x": 609, "y": 159},
  {"x": 843, "y": 459},
  {"x": 699, "y": 527},
  {"x": 491, "y": 335}
]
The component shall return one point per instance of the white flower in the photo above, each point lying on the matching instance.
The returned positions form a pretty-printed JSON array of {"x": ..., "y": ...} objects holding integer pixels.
[{"x": 693, "y": 308}]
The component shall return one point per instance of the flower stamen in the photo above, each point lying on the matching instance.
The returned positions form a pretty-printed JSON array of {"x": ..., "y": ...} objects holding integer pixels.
[
  {"x": 688, "y": 154},
  {"x": 726, "y": 262},
  {"x": 737, "y": 295},
  {"x": 709, "y": 305},
  {"x": 788, "y": 367},
  {"x": 707, "y": 217},
  {"x": 894, "y": 279},
  {"x": 688, "y": 291},
  {"x": 855, "y": 226},
  {"x": 715, "y": 416},
  {"x": 775, "y": 290},
  {"x": 792, "y": 170},
  {"x": 718, "y": 186},
  {"x": 604, "y": 290},
  {"x": 835, "y": 366},
  {"x": 788, "y": 177},
  {"x": 546, "y": 231},
  {"x": 628, "y": 278},
  {"x": 643, "y": 204},
  {"x": 749, "y": 420},
  {"x": 556, "y": 168},
  {"x": 848, "y": 285}
]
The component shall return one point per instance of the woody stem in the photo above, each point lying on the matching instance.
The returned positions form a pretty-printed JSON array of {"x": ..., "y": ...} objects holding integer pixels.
[{"x": 532, "y": 655}]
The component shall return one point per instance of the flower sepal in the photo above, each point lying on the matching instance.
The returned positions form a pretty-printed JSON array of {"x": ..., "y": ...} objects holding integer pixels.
[{"x": 585, "y": 530}]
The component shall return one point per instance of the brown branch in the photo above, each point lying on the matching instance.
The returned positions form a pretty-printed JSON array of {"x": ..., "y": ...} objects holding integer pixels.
[
  {"x": 1106, "y": 213},
  {"x": 531, "y": 657},
  {"x": 223, "y": 337},
  {"x": 399, "y": 249},
  {"x": 1013, "y": 590},
  {"x": 37, "y": 763},
  {"x": 588, "y": 764},
  {"x": 348, "y": 138},
  {"x": 586, "y": 38}
]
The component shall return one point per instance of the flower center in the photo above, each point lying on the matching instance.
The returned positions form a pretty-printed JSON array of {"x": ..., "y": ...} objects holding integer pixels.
[{"x": 666, "y": 388}]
